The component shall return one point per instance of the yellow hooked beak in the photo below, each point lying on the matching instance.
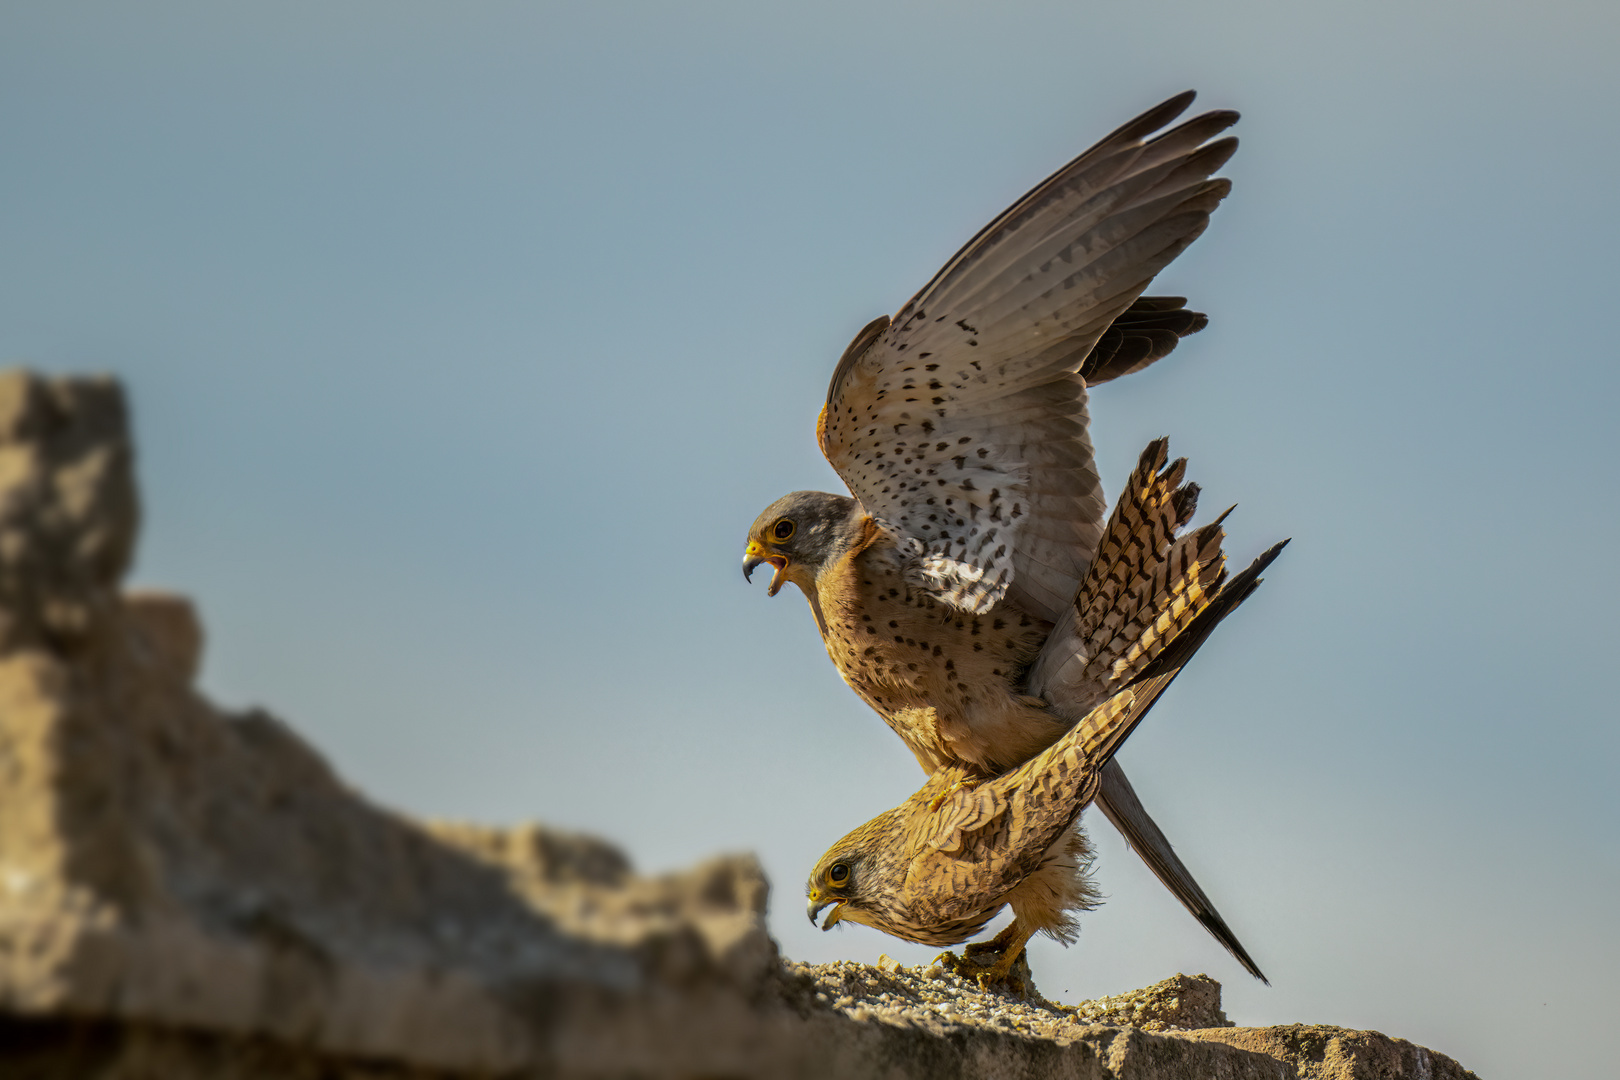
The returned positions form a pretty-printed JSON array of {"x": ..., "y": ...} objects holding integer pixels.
[
  {"x": 816, "y": 904},
  {"x": 757, "y": 553}
]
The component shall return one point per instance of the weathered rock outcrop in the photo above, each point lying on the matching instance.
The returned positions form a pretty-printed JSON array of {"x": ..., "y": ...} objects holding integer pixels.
[{"x": 187, "y": 892}]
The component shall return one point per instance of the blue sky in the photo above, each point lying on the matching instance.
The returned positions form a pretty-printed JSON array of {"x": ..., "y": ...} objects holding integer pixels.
[{"x": 466, "y": 341}]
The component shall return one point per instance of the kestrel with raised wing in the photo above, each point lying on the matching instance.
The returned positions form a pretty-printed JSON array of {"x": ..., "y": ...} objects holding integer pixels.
[
  {"x": 938, "y": 867},
  {"x": 943, "y": 585}
]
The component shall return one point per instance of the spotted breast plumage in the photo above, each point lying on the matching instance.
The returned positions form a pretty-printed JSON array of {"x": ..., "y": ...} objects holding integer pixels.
[
  {"x": 944, "y": 585},
  {"x": 940, "y": 866}
]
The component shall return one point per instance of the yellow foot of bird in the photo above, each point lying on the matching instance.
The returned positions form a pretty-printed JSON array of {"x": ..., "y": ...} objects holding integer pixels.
[
  {"x": 995, "y": 969},
  {"x": 966, "y": 783}
]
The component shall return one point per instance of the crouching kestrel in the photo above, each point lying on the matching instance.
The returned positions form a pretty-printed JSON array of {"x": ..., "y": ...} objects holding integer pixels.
[
  {"x": 938, "y": 867},
  {"x": 943, "y": 586}
]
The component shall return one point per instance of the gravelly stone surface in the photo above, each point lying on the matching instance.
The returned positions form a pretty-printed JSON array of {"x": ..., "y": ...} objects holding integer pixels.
[{"x": 939, "y": 992}]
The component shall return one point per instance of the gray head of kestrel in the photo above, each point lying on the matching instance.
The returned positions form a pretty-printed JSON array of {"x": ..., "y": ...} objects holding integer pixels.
[{"x": 799, "y": 534}]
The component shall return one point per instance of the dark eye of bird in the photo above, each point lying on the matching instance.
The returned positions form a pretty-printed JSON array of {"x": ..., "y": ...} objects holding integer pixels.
[
  {"x": 838, "y": 874},
  {"x": 782, "y": 529}
]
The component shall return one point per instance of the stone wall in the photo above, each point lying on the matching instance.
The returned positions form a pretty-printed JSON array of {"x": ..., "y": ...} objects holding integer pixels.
[{"x": 190, "y": 892}]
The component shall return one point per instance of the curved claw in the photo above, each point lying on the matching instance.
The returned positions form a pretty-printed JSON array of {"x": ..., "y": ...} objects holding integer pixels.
[{"x": 964, "y": 783}]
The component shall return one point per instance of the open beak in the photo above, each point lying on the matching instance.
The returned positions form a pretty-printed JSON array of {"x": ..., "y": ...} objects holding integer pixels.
[
  {"x": 814, "y": 907},
  {"x": 755, "y": 555}
]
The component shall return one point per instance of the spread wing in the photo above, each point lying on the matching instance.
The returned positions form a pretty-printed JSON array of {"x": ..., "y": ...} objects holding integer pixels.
[{"x": 960, "y": 424}]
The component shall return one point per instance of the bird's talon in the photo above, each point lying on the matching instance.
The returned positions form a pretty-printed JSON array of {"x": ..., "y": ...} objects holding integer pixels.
[{"x": 966, "y": 783}]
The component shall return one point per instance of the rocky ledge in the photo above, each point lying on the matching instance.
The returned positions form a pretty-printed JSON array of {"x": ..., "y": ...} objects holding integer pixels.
[{"x": 187, "y": 892}]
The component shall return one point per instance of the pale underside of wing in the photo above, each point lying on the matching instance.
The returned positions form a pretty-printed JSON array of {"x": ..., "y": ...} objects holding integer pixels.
[{"x": 961, "y": 424}]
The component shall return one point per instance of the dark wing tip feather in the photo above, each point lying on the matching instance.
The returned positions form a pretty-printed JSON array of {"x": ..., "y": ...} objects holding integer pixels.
[
  {"x": 1103, "y": 353},
  {"x": 1146, "y": 332},
  {"x": 1208, "y": 158},
  {"x": 1115, "y": 353},
  {"x": 1120, "y": 803},
  {"x": 1156, "y": 303},
  {"x": 1157, "y": 341},
  {"x": 1152, "y": 120},
  {"x": 1140, "y": 316},
  {"x": 1201, "y": 127},
  {"x": 1204, "y": 199},
  {"x": 1132, "y": 131}
]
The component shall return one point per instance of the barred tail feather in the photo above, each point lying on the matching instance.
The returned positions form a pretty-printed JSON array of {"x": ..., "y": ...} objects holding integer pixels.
[
  {"x": 1163, "y": 605},
  {"x": 1155, "y": 677},
  {"x": 1145, "y": 520},
  {"x": 1145, "y": 586}
]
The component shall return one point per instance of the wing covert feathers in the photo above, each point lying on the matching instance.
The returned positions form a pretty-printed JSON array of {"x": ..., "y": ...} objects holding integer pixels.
[
  {"x": 998, "y": 832},
  {"x": 961, "y": 424}
]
